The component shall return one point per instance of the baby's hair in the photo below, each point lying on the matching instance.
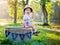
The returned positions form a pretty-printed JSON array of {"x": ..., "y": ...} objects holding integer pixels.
[{"x": 30, "y": 9}]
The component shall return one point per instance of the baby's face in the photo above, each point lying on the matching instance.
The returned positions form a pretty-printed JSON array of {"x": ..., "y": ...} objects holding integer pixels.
[{"x": 28, "y": 11}]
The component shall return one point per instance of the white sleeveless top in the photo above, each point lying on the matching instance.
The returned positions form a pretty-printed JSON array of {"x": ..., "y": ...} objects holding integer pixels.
[{"x": 28, "y": 19}]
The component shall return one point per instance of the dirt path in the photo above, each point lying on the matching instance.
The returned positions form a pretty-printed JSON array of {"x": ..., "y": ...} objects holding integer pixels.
[{"x": 52, "y": 29}]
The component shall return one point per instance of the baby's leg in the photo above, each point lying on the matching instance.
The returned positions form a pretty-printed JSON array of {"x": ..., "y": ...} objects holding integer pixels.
[
  {"x": 34, "y": 31},
  {"x": 33, "y": 27}
]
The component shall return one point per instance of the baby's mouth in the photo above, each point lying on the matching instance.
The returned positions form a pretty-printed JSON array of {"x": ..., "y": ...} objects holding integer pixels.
[{"x": 28, "y": 13}]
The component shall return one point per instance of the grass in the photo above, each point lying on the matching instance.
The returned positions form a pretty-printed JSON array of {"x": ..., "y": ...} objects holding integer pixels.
[
  {"x": 2, "y": 36},
  {"x": 46, "y": 37},
  {"x": 15, "y": 24},
  {"x": 49, "y": 37}
]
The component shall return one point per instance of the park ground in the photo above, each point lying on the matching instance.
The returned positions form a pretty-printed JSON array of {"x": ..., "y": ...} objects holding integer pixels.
[{"x": 46, "y": 37}]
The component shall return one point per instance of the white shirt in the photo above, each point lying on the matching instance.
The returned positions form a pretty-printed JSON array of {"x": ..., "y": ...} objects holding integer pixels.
[{"x": 28, "y": 19}]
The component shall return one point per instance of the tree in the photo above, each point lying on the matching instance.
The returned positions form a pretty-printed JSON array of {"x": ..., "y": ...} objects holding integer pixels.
[
  {"x": 13, "y": 5},
  {"x": 24, "y": 3},
  {"x": 15, "y": 11},
  {"x": 55, "y": 18},
  {"x": 16, "y": 8},
  {"x": 38, "y": 13},
  {"x": 43, "y": 5},
  {"x": 50, "y": 10}
]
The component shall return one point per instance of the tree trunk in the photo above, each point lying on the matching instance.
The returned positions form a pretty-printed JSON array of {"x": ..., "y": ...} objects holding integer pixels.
[
  {"x": 23, "y": 3},
  {"x": 45, "y": 20},
  {"x": 27, "y": 1},
  {"x": 15, "y": 11}
]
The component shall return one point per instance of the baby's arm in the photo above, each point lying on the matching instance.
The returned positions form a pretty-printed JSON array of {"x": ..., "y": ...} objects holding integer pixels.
[{"x": 33, "y": 14}]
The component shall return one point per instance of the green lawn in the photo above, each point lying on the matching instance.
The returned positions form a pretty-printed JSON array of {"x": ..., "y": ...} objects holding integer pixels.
[{"x": 46, "y": 37}]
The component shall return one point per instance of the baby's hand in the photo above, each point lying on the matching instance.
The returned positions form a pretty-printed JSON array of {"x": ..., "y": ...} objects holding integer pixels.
[{"x": 33, "y": 13}]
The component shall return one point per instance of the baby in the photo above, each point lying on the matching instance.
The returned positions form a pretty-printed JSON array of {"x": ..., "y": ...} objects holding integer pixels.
[{"x": 28, "y": 16}]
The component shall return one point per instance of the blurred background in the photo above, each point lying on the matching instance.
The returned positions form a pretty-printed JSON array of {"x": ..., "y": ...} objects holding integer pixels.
[{"x": 46, "y": 11}]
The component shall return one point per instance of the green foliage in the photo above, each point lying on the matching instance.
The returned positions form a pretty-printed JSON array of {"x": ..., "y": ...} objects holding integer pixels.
[
  {"x": 55, "y": 17},
  {"x": 35, "y": 6},
  {"x": 58, "y": 2},
  {"x": 19, "y": 9},
  {"x": 49, "y": 7},
  {"x": 50, "y": 10},
  {"x": 2, "y": 36},
  {"x": 6, "y": 42},
  {"x": 31, "y": 42},
  {"x": 43, "y": 2},
  {"x": 15, "y": 24}
]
